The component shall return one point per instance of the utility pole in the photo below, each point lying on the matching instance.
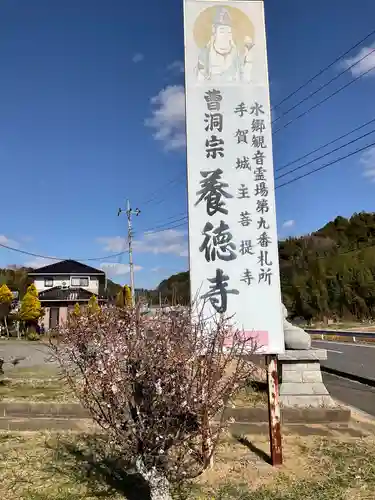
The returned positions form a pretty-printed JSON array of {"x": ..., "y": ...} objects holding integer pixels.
[{"x": 129, "y": 212}]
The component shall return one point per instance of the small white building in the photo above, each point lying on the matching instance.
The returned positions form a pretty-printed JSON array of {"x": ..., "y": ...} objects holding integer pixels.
[{"x": 63, "y": 284}]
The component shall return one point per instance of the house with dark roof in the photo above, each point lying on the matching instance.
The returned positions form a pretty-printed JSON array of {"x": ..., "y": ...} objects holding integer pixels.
[{"x": 63, "y": 284}]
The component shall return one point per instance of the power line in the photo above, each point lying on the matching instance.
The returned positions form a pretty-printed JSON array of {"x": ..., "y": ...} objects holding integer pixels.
[
  {"x": 324, "y": 70},
  {"x": 153, "y": 198},
  {"x": 59, "y": 258},
  {"x": 326, "y": 165},
  {"x": 322, "y": 87},
  {"x": 161, "y": 188},
  {"x": 306, "y": 112},
  {"x": 166, "y": 224},
  {"x": 324, "y": 146},
  {"x": 157, "y": 229},
  {"x": 150, "y": 231},
  {"x": 325, "y": 154},
  {"x": 324, "y": 100},
  {"x": 180, "y": 214}
]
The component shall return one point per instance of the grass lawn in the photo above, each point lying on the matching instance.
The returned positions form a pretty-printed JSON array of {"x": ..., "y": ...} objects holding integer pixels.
[{"x": 44, "y": 466}]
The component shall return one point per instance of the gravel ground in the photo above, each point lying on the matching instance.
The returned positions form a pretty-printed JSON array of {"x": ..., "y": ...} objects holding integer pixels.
[{"x": 35, "y": 354}]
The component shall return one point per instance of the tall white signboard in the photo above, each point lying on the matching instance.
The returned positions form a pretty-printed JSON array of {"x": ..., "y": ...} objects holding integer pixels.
[{"x": 234, "y": 267}]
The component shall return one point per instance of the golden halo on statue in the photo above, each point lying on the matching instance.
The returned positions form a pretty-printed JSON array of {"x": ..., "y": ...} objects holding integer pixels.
[{"x": 242, "y": 27}]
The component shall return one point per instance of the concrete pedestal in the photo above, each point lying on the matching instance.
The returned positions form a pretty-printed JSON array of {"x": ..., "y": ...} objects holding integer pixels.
[{"x": 301, "y": 380}]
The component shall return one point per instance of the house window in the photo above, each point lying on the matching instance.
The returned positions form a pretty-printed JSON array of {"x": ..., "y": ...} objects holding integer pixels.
[
  {"x": 48, "y": 282},
  {"x": 80, "y": 282}
]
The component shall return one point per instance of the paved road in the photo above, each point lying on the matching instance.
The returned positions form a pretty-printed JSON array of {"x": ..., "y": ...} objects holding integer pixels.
[
  {"x": 349, "y": 358},
  {"x": 35, "y": 354},
  {"x": 351, "y": 393}
]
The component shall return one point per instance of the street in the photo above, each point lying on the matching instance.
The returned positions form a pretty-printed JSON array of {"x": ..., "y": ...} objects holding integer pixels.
[
  {"x": 354, "y": 359},
  {"x": 351, "y": 393},
  {"x": 31, "y": 354},
  {"x": 349, "y": 358}
]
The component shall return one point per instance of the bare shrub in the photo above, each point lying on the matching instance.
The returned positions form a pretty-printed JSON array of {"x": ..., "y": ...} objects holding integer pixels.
[{"x": 156, "y": 385}]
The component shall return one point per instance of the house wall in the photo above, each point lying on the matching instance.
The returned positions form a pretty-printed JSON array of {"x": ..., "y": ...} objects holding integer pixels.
[
  {"x": 63, "y": 313},
  {"x": 45, "y": 319},
  {"x": 59, "y": 280}
]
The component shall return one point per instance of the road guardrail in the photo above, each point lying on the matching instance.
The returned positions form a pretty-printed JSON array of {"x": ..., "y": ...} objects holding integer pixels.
[{"x": 342, "y": 333}]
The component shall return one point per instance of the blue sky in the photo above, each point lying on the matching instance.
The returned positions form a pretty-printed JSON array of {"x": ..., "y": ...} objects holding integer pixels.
[{"x": 92, "y": 113}]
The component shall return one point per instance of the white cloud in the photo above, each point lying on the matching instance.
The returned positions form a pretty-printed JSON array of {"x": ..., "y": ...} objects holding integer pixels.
[
  {"x": 365, "y": 64},
  {"x": 4, "y": 240},
  {"x": 115, "y": 244},
  {"x": 117, "y": 269},
  {"x": 168, "y": 117},
  {"x": 39, "y": 262},
  {"x": 138, "y": 57},
  {"x": 176, "y": 67},
  {"x": 368, "y": 162},
  {"x": 164, "y": 242},
  {"x": 289, "y": 223}
]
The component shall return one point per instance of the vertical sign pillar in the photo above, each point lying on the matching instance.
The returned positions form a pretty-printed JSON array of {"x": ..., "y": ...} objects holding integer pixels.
[
  {"x": 233, "y": 248},
  {"x": 274, "y": 415}
]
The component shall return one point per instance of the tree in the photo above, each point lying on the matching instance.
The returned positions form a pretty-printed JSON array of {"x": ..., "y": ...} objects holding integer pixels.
[
  {"x": 6, "y": 298},
  {"x": 128, "y": 296},
  {"x": 328, "y": 274},
  {"x": 31, "y": 309},
  {"x": 124, "y": 297},
  {"x": 120, "y": 298},
  {"x": 77, "y": 309},
  {"x": 155, "y": 385},
  {"x": 93, "y": 305}
]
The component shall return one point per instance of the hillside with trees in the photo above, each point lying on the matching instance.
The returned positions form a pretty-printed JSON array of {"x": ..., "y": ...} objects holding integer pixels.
[
  {"x": 175, "y": 289},
  {"x": 328, "y": 274}
]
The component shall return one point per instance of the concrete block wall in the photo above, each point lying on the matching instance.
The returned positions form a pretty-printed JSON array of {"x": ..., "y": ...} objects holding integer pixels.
[{"x": 301, "y": 380}]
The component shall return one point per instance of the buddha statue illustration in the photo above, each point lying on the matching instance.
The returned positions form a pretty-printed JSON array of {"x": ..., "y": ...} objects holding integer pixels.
[{"x": 221, "y": 60}]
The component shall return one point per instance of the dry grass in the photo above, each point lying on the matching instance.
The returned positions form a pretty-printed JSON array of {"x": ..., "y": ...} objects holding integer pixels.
[
  {"x": 46, "y": 372},
  {"x": 35, "y": 390},
  {"x": 44, "y": 466},
  {"x": 314, "y": 469},
  {"x": 43, "y": 383},
  {"x": 254, "y": 395},
  {"x": 36, "y": 383},
  {"x": 339, "y": 338},
  {"x": 16, "y": 389}
]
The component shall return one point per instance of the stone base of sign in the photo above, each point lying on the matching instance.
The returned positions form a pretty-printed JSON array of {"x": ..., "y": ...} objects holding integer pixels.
[{"x": 301, "y": 380}]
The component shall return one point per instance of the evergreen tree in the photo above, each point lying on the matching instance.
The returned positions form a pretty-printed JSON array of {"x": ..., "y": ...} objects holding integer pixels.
[
  {"x": 77, "y": 309},
  {"x": 124, "y": 297},
  {"x": 31, "y": 309},
  {"x": 329, "y": 274},
  {"x": 6, "y": 298},
  {"x": 120, "y": 302},
  {"x": 93, "y": 305},
  {"x": 128, "y": 296}
]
